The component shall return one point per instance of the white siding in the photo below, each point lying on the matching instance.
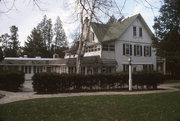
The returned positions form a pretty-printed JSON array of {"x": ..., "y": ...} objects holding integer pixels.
[{"x": 128, "y": 37}]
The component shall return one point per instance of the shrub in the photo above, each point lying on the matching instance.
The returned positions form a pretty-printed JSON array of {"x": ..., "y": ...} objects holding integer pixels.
[
  {"x": 55, "y": 83},
  {"x": 11, "y": 80}
]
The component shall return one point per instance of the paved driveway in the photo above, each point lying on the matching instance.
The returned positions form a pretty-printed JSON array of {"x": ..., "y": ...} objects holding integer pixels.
[{"x": 17, "y": 96}]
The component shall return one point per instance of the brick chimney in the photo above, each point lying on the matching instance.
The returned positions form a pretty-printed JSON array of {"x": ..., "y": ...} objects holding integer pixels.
[{"x": 86, "y": 24}]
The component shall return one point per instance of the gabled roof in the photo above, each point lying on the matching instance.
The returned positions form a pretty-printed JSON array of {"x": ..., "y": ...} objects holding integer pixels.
[{"x": 108, "y": 32}]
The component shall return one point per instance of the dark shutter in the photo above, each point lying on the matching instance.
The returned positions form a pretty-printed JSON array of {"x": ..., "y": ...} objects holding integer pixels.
[
  {"x": 123, "y": 49},
  {"x": 141, "y": 50},
  {"x": 134, "y": 50},
  {"x": 144, "y": 50},
  {"x": 150, "y": 50},
  {"x": 130, "y": 49}
]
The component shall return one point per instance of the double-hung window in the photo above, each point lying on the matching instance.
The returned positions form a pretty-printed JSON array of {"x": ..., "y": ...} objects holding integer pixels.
[
  {"x": 127, "y": 49},
  {"x": 140, "y": 32},
  {"x": 137, "y": 50},
  {"x": 147, "y": 50},
  {"x": 134, "y": 31}
]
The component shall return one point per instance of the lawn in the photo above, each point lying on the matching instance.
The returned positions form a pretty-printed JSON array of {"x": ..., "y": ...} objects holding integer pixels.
[{"x": 149, "y": 107}]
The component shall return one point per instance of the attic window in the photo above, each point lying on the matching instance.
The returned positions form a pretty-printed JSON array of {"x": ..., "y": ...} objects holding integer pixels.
[
  {"x": 140, "y": 32},
  {"x": 134, "y": 31}
]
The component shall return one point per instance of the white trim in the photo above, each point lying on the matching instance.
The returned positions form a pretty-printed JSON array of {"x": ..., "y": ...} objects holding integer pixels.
[
  {"x": 135, "y": 63},
  {"x": 127, "y": 41}
]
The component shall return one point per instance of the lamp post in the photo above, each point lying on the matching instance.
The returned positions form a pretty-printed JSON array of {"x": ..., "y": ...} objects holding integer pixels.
[{"x": 130, "y": 73}]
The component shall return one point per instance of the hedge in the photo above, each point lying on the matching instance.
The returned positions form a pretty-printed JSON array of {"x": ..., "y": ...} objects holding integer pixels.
[
  {"x": 172, "y": 77},
  {"x": 11, "y": 80},
  {"x": 57, "y": 83}
]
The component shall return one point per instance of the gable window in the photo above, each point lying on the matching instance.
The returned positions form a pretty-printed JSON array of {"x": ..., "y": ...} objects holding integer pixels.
[
  {"x": 137, "y": 50},
  {"x": 147, "y": 50},
  {"x": 127, "y": 49},
  {"x": 140, "y": 32},
  {"x": 134, "y": 31}
]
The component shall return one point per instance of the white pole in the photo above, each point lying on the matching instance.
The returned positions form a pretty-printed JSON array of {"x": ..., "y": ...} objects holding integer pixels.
[{"x": 130, "y": 74}]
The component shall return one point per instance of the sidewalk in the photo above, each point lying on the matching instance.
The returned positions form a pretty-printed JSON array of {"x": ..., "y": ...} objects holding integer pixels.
[{"x": 17, "y": 96}]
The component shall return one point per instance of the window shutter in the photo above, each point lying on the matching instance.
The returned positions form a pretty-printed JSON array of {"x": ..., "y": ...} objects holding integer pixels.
[
  {"x": 141, "y": 50},
  {"x": 150, "y": 50},
  {"x": 144, "y": 50},
  {"x": 123, "y": 49},
  {"x": 134, "y": 50},
  {"x": 130, "y": 49}
]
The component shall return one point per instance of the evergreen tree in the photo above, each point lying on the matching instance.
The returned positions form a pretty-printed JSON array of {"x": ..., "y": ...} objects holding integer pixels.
[
  {"x": 40, "y": 43},
  {"x": 60, "y": 41},
  {"x": 45, "y": 27},
  {"x": 60, "y": 36},
  {"x": 167, "y": 34},
  {"x": 4, "y": 40},
  {"x": 10, "y": 43},
  {"x": 34, "y": 44}
]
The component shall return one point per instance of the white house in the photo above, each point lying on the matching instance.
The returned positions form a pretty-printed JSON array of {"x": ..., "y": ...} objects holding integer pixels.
[
  {"x": 108, "y": 50},
  {"x": 118, "y": 41}
]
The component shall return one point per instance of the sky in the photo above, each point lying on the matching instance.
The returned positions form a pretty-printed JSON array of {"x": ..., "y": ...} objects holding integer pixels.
[{"x": 25, "y": 15}]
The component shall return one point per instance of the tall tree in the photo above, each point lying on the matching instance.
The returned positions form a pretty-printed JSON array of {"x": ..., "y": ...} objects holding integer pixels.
[
  {"x": 34, "y": 44},
  {"x": 4, "y": 40},
  {"x": 45, "y": 26},
  {"x": 60, "y": 40},
  {"x": 10, "y": 43},
  {"x": 59, "y": 33},
  {"x": 167, "y": 34}
]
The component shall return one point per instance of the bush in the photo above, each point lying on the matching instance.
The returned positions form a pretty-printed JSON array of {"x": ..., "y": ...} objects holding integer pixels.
[
  {"x": 55, "y": 83},
  {"x": 11, "y": 80},
  {"x": 172, "y": 77}
]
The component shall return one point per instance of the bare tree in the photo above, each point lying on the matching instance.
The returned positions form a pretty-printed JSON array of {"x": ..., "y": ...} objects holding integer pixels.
[
  {"x": 89, "y": 9},
  {"x": 9, "y": 5}
]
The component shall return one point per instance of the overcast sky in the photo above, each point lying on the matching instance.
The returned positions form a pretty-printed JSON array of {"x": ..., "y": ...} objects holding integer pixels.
[{"x": 26, "y": 16}]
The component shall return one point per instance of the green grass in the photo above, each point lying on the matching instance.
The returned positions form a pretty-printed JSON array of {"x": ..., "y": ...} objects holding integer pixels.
[{"x": 149, "y": 107}]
